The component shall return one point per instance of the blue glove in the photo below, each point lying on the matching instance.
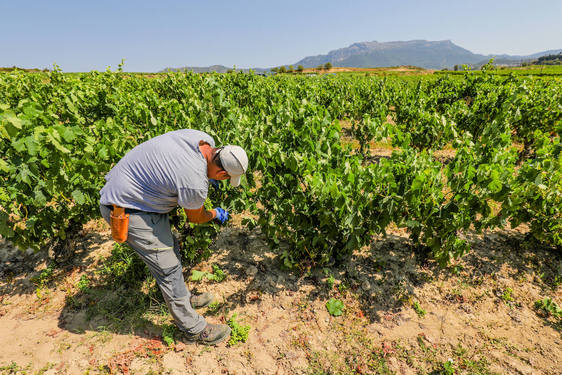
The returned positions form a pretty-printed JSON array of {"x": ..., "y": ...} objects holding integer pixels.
[
  {"x": 222, "y": 214},
  {"x": 215, "y": 184}
]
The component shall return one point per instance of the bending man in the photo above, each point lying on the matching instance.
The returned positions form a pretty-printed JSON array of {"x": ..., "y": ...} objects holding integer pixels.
[{"x": 150, "y": 181}]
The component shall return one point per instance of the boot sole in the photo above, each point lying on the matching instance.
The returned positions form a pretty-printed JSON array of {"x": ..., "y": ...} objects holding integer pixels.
[
  {"x": 219, "y": 340},
  {"x": 204, "y": 305}
]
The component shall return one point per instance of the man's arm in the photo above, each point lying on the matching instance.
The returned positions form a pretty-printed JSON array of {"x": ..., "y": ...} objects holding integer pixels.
[{"x": 200, "y": 215}]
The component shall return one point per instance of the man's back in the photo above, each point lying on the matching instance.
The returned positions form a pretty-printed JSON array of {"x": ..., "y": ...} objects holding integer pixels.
[{"x": 160, "y": 174}]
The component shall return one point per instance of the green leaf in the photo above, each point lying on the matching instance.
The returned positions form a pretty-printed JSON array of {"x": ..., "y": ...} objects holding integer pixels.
[
  {"x": 12, "y": 119},
  {"x": 197, "y": 275},
  {"x": 335, "y": 307},
  {"x": 5, "y": 228},
  {"x": 25, "y": 175},
  {"x": 4, "y": 166},
  {"x": 40, "y": 199},
  {"x": 66, "y": 133},
  {"x": 32, "y": 146},
  {"x": 57, "y": 144},
  {"x": 79, "y": 197}
]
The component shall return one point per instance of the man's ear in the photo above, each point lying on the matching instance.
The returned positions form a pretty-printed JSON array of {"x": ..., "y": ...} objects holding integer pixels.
[{"x": 223, "y": 174}]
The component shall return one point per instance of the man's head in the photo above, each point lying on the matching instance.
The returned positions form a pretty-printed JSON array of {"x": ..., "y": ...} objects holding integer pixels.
[
  {"x": 225, "y": 162},
  {"x": 233, "y": 160}
]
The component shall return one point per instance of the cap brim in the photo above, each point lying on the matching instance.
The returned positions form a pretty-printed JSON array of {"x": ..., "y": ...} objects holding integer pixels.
[{"x": 235, "y": 180}]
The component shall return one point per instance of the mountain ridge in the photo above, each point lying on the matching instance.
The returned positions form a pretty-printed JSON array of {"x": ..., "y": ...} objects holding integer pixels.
[{"x": 372, "y": 54}]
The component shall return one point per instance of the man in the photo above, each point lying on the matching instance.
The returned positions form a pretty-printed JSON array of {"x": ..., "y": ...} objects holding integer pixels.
[{"x": 151, "y": 180}]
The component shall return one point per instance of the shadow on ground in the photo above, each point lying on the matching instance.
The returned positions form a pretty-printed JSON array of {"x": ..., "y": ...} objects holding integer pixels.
[
  {"x": 383, "y": 278},
  {"x": 27, "y": 270}
]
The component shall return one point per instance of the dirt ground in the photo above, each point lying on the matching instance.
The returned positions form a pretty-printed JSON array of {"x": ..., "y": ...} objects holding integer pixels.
[{"x": 403, "y": 314}]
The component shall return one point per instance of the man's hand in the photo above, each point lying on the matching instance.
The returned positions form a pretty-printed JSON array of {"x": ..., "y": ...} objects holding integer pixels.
[{"x": 222, "y": 214}]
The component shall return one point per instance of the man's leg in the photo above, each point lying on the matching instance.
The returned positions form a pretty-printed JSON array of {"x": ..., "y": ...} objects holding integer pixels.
[{"x": 151, "y": 238}]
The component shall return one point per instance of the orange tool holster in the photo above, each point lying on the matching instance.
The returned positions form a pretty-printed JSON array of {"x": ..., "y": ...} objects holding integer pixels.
[{"x": 119, "y": 222}]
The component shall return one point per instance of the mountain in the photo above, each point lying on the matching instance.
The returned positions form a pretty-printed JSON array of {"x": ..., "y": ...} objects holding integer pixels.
[
  {"x": 422, "y": 53},
  {"x": 426, "y": 54}
]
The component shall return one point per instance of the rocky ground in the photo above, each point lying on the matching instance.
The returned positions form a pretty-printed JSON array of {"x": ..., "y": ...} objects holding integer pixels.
[{"x": 402, "y": 314}]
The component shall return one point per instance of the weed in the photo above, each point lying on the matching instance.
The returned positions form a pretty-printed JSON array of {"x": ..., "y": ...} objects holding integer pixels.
[
  {"x": 45, "y": 276},
  {"x": 12, "y": 368},
  {"x": 448, "y": 367},
  {"x": 342, "y": 287},
  {"x": 217, "y": 275},
  {"x": 102, "y": 336},
  {"x": 43, "y": 279},
  {"x": 63, "y": 347},
  {"x": 460, "y": 351},
  {"x": 214, "y": 308},
  {"x": 550, "y": 307},
  {"x": 476, "y": 367},
  {"x": 124, "y": 267},
  {"x": 418, "y": 309},
  {"x": 335, "y": 307},
  {"x": 457, "y": 269},
  {"x": 239, "y": 332},
  {"x": 330, "y": 281},
  {"x": 83, "y": 284},
  {"x": 421, "y": 343},
  {"x": 507, "y": 295},
  {"x": 45, "y": 368},
  {"x": 168, "y": 333}
]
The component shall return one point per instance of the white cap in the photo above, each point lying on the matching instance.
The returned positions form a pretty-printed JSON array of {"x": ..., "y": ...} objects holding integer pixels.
[{"x": 235, "y": 162}]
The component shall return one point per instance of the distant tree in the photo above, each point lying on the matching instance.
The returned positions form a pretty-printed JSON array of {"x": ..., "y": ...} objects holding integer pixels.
[
  {"x": 275, "y": 70},
  {"x": 456, "y": 68},
  {"x": 320, "y": 67},
  {"x": 282, "y": 70},
  {"x": 291, "y": 69},
  {"x": 328, "y": 66},
  {"x": 300, "y": 68}
]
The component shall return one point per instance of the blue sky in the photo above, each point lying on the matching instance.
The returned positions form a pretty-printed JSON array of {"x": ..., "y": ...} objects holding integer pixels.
[{"x": 152, "y": 35}]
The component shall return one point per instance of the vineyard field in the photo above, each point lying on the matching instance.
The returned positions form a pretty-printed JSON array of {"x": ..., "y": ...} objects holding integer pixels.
[{"x": 457, "y": 178}]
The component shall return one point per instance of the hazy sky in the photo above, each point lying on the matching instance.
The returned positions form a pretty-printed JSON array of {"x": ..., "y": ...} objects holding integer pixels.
[{"x": 152, "y": 35}]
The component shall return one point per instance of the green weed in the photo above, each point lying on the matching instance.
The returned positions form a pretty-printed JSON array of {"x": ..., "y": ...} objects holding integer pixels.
[
  {"x": 448, "y": 367},
  {"x": 45, "y": 277},
  {"x": 83, "y": 284},
  {"x": 549, "y": 306},
  {"x": 507, "y": 295},
  {"x": 335, "y": 307},
  {"x": 14, "y": 368},
  {"x": 124, "y": 267},
  {"x": 418, "y": 309},
  {"x": 168, "y": 333},
  {"x": 331, "y": 280},
  {"x": 239, "y": 332},
  {"x": 217, "y": 275},
  {"x": 214, "y": 308}
]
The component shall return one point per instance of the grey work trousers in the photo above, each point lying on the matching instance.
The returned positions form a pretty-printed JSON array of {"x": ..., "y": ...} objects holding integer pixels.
[{"x": 151, "y": 237}]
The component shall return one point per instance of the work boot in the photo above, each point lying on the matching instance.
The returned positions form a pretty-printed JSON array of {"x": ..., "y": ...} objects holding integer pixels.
[
  {"x": 212, "y": 334},
  {"x": 201, "y": 300}
]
